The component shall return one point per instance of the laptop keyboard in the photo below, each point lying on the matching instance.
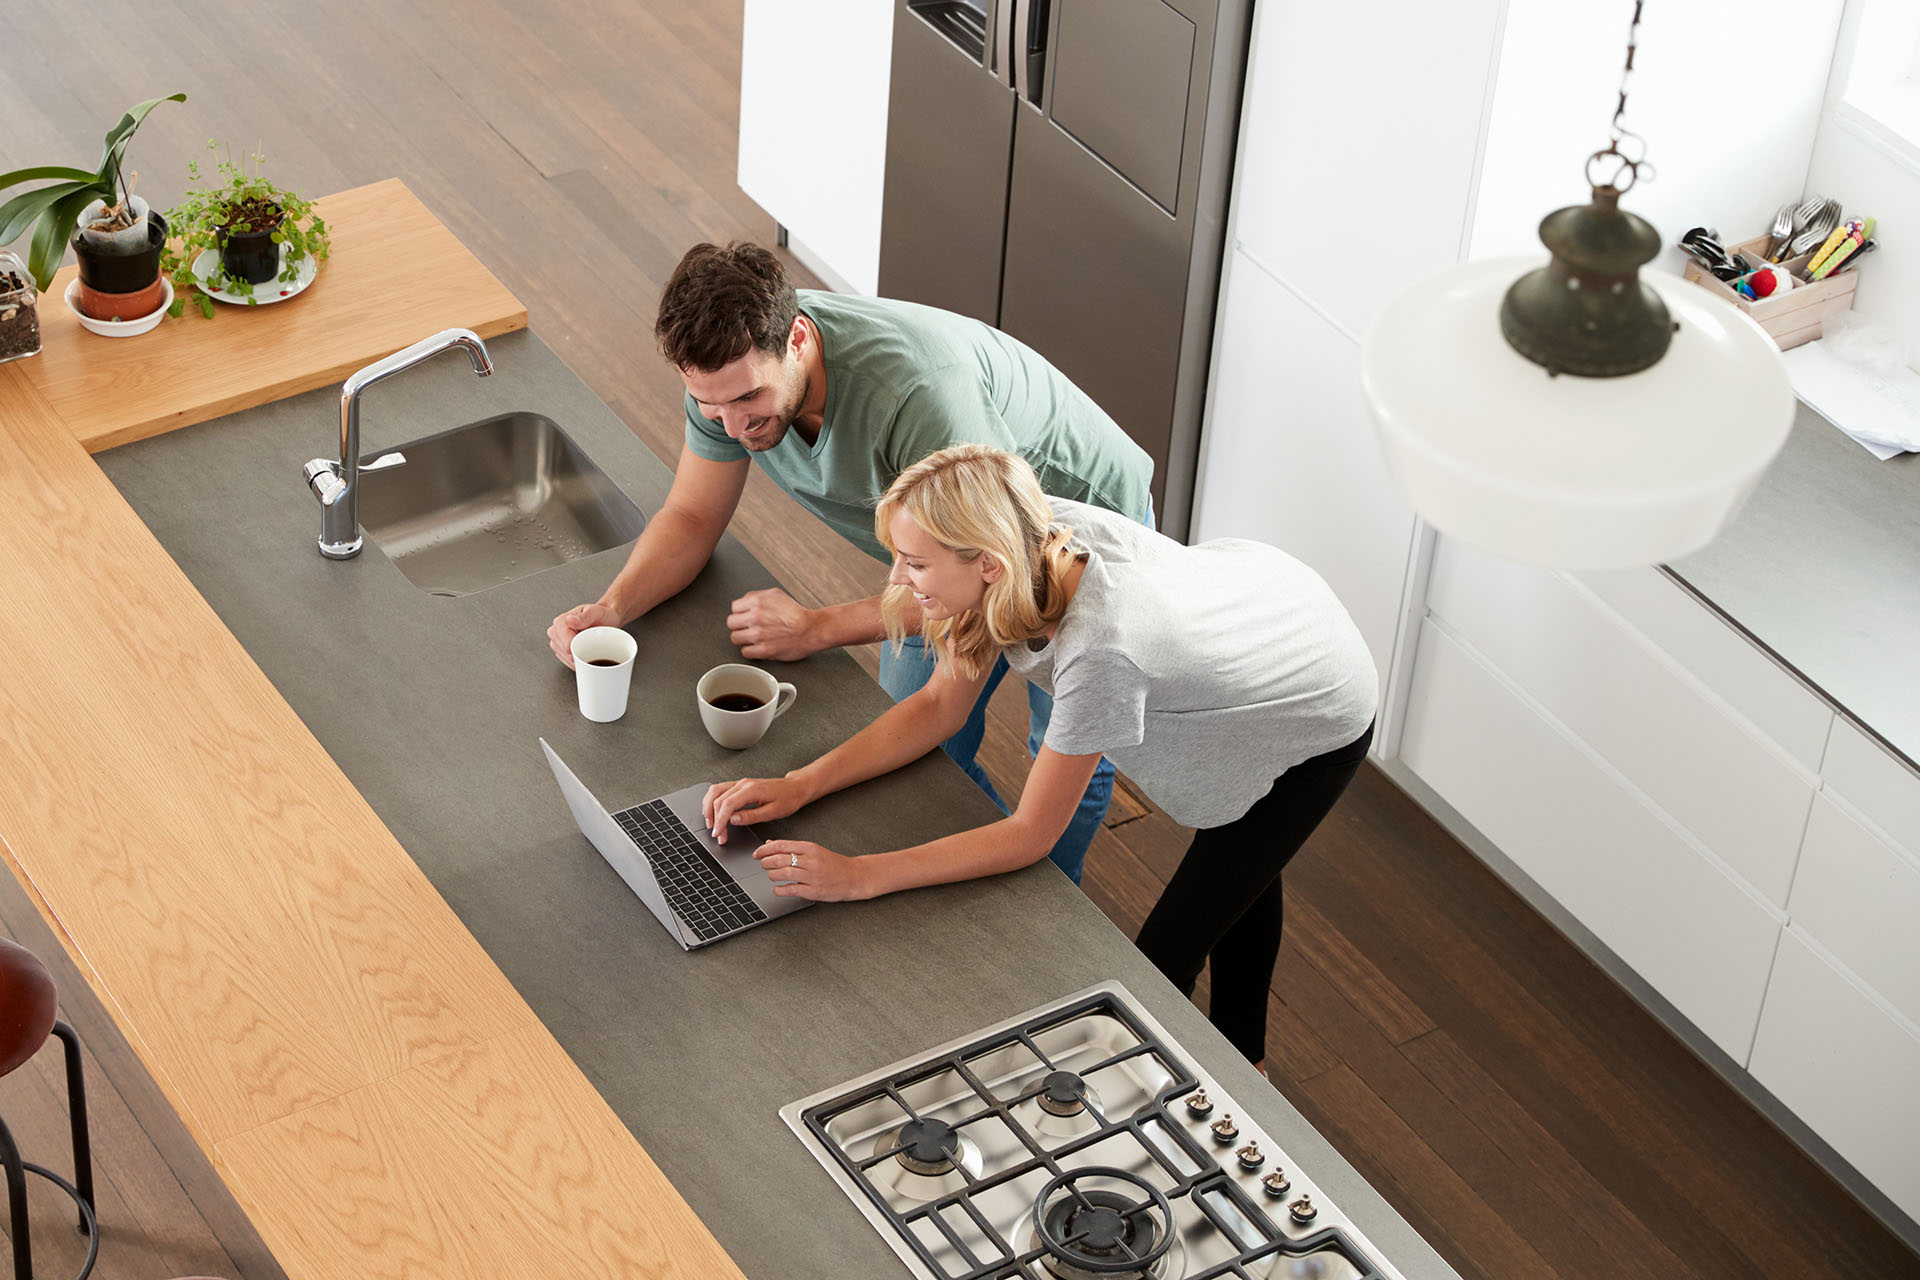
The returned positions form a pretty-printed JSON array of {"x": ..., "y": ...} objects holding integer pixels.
[{"x": 700, "y": 893}]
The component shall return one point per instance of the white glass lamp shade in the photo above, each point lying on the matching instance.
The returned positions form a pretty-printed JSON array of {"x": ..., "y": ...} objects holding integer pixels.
[{"x": 1576, "y": 473}]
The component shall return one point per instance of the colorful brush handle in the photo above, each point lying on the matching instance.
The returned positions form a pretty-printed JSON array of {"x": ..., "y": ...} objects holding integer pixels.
[{"x": 1833, "y": 257}]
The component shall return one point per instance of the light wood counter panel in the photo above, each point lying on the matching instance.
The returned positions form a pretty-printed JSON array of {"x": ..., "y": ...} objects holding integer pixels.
[
  {"x": 395, "y": 275},
  {"x": 462, "y": 1147},
  {"x": 327, "y": 1028}
]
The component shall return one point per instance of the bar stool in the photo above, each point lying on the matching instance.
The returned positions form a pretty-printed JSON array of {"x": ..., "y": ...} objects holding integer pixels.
[{"x": 27, "y": 1002}]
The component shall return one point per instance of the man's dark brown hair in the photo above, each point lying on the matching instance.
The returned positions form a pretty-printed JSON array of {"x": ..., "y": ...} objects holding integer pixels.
[{"x": 721, "y": 303}]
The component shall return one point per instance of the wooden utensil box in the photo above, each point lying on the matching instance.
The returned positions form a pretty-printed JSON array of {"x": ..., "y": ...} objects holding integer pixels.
[{"x": 1789, "y": 318}]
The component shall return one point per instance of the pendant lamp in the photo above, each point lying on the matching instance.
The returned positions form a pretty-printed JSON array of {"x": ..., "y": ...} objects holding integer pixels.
[{"x": 1576, "y": 414}]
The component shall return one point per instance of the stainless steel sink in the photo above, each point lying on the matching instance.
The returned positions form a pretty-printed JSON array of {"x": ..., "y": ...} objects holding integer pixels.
[{"x": 491, "y": 502}]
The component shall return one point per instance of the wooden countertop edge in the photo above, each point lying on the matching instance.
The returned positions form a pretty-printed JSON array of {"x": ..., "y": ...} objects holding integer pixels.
[
  {"x": 664, "y": 1238},
  {"x": 101, "y": 441}
]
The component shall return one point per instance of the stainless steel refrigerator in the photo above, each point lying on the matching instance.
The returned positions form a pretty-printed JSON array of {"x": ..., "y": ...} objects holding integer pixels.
[{"x": 1060, "y": 168}]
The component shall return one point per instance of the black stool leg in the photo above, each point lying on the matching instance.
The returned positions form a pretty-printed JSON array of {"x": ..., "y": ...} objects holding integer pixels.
[
  {"x": 77, "y": 1113},
  {"x": 17, "y": 1205}
]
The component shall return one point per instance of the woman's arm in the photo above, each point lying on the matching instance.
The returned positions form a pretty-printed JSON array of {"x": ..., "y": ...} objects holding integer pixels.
[
  {"x": 802, "y": 869},
  {"x": 905, "y": 732}
]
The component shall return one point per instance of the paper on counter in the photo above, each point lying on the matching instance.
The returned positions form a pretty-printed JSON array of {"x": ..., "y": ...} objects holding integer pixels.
[{"x": 1880, "y": 411}]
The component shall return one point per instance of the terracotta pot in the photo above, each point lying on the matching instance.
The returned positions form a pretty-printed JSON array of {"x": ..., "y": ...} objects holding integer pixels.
[{"x": 119, "y": 306}]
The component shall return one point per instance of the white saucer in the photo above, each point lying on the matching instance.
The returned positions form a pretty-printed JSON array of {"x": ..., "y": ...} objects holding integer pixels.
[
  {"x": 274, "y": 290},
  {"x": 120, "y": 328}
]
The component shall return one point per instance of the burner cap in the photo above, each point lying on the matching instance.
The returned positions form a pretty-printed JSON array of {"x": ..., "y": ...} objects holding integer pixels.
[
  {"x": 1062, "y": 1093},
  {"x": 1123, "y": 1226},
  {"x": 927, "y": 1146}
]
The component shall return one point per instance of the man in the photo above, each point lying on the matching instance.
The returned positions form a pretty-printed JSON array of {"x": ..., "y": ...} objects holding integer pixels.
[{"x": 834, "y": 395}]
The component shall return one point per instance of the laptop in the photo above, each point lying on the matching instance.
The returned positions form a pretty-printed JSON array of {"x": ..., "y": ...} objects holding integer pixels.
[{"x": 699, "y": 889}]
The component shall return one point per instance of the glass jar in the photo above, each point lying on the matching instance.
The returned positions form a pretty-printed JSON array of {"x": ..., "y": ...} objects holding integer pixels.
[{"x": 19, "y": 310}]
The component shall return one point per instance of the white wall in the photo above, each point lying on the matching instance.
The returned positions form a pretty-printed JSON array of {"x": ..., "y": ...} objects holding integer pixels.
[
  {"x": 1728, "y": 146},
  {"x": 1855, "y": 162}
]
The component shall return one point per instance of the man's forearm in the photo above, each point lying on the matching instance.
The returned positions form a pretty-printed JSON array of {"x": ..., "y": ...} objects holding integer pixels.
[
  {"x": 670, "y": 554},
  {"x": 855, "y": 622}
]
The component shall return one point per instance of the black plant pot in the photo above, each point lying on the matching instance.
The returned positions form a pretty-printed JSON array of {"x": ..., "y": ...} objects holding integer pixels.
[
  {"x": 123, "y": 272},
  {"x": 250, "y": 255}
]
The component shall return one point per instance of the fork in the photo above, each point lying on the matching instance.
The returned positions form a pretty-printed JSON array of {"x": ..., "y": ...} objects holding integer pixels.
[
  {"x": 1815, "y": 232},
  {"x": 1782, "y": 229}
]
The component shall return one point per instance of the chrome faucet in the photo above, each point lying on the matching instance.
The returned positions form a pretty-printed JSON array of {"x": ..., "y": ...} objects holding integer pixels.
[{"x": 337, "y": 483}]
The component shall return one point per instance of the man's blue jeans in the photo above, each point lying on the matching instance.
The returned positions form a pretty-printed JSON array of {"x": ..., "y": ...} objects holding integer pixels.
[{"x": 908, "y": 668}]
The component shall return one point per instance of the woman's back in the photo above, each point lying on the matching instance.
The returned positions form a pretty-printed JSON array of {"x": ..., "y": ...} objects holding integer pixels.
[{"x": 1203, "y": 672}]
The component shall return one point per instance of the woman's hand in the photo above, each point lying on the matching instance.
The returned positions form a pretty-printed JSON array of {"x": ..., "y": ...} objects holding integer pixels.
[
  {"x": 735, "y": 804},
  {"x": 802, "y": 869}
]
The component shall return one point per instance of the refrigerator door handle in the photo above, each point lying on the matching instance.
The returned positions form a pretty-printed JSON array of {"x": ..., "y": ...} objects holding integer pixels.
[
  {"x": 1017, "y": 42},
  {"x": 1000, "y": 50}
]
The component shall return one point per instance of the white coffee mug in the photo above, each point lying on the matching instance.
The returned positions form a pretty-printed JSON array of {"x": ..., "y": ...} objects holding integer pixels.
[
  {"x": 738, "y": 703},
  {"x": 603, "y": 671}
]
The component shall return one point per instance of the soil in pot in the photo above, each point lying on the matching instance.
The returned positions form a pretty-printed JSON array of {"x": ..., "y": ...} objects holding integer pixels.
[
  {"x": 19, "y": 315},
  {"x": 247, "y": 250}
]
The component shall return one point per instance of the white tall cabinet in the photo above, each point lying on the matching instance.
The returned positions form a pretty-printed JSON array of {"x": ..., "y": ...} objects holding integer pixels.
[{"x": 813, "y": 128}]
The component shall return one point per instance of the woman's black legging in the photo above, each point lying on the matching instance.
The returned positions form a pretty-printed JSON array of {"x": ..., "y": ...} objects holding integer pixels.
[{"x": 1224, "y": 899}]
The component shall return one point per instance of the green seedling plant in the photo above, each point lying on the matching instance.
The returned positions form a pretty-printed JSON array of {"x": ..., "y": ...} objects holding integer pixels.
[
  {"x": 236, "y": 198},
  {"x": 52, "y": 211}
]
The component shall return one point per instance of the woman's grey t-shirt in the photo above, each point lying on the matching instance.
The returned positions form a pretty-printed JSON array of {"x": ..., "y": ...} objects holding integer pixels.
[{"x": 1202, "y": 672}]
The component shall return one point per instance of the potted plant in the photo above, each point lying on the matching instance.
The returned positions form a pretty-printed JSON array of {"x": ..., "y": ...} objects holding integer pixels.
[
  {"x": 19, "y": 315},
  {"x": 241, "y": 233},
  {"x": 118, "y": 242}
]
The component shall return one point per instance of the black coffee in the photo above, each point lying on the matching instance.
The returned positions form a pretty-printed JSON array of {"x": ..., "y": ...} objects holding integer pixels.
[
  {"x": 738, "y": 702},
  {"x": 603, "y": 662}
]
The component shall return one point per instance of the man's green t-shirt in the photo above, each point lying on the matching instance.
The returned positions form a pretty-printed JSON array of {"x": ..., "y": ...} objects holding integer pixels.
[{"x": 904, "y": 381}]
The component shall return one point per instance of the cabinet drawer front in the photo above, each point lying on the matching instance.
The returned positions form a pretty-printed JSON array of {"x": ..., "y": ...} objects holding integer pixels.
[
  {"x": 1845, "y": 1067},
  {"x": 1868, "y": 777},
  {"x": 1860, "y": 900},
  {"x": 1715, "y": 653},
  {"x": 1691, "y": 930},
  {"x": 1738, "y": 794}
]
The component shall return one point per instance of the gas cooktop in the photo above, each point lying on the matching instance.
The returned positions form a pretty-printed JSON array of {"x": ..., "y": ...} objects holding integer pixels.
[{"x": 1074, "y": 1142}]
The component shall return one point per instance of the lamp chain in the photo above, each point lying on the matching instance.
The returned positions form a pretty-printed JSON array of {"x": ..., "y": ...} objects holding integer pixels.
[{"x": 1629, "y": 168}]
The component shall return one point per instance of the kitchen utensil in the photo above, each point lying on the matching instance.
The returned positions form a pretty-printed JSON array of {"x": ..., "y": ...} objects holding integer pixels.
[
  {"x": 1818, "y": 229},
  {"x": 1803, "y": 214},
  {"x": 1782, "y": 229}
]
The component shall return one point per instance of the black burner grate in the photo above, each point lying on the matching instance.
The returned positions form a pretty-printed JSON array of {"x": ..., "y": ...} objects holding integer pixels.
[{"x": 1204, "y": 1185}]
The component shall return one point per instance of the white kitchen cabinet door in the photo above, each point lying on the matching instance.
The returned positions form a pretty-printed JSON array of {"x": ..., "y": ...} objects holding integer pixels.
[
  {"x": 1696, "y": 934},
  {"x": 1288, "y": 454},
  {"x": 1847, "y": 1068},
  {"x": 1359, "y": 130},
  {"x": 1611, "y": 687},
  {"x": 813, "y": 125},
  {"x": 1860, "y": 899}
]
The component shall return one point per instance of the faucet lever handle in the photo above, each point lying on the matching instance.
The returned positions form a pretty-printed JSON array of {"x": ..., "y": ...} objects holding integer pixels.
[{"x": 385, "y": 462}]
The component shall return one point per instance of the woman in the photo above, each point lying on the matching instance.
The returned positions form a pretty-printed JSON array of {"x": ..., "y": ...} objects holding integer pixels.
[{"x": 1224, "y": 679}]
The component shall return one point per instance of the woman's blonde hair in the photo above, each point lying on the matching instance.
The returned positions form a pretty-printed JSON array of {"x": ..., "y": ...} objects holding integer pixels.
[{"x": 974, "y": 499}]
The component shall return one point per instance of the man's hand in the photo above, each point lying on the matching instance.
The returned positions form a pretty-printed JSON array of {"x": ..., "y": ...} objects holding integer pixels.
[
  {"x": 571, "y": 623},
  {"x": 772, "y": 624},
  {"x": 735, "y": 804},
  {"x": 802, "y": 869}
]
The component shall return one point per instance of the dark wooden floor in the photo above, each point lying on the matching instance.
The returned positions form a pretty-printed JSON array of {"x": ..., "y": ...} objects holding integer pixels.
[{"x": 1510, "y": 1100}]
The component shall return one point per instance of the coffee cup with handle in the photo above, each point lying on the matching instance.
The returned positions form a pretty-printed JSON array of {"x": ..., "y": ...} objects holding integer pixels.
[{"x": 738, "y": 703}]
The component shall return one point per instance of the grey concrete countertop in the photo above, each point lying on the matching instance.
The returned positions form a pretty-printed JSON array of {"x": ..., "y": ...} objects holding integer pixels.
[
  {"x": 1822, "y": 568},
  {"x": 432, "y": 707}
]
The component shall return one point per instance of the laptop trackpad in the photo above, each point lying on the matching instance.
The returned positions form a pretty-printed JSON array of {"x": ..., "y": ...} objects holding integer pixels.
[{"x": 736, "y": 855}]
